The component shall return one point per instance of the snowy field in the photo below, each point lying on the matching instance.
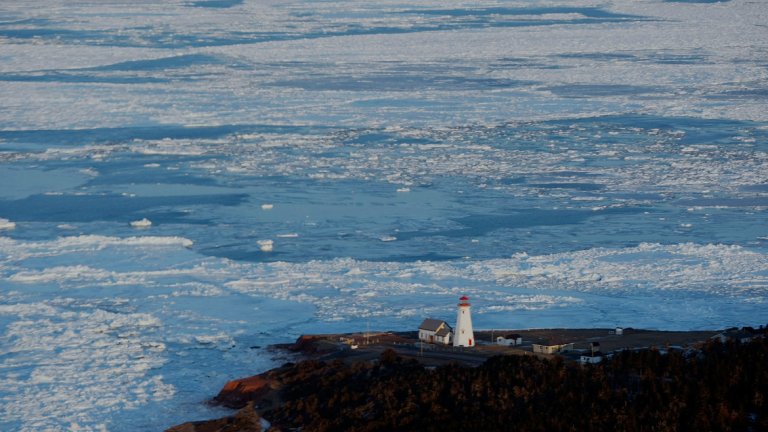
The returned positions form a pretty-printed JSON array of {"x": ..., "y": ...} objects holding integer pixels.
[{"x": 184, "y": 183}]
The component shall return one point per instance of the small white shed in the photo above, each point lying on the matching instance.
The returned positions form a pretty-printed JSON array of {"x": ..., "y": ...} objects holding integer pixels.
[
  {"x": 513, "y": 339},
  {"x": 591, "y": 358}
]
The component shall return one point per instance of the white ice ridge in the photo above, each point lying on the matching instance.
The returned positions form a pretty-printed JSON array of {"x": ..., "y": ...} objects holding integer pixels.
[
  {"x": 86, "y": 243},
  {"x": 680, "y": 270},
  {"x": 520, "y": 282},
  {"x": 645, "y": 158},
  {"x": 723, "y": 270}
]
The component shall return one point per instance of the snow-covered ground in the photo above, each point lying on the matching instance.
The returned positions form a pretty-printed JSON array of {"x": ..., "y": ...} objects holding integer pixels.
[{"x": 183, "y": 183}]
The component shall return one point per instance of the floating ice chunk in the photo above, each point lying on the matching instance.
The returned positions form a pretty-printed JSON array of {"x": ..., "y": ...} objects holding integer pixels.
[
  {"x": 101, "y": 242},
  {"x": 90, "y": 172},
  {"x": 79, "y": 273},
  {"x": 5, "y": 224},
  {"x": 143, "y": 223},
  {"x": 266, "y": 245},
  {"x": 267, "y": 206},
  {"x": 215, "y": 339},
  {"x": 387, "y": 238},
  {"x": 403, "y": 190},
  {"x": 289, "y": 235},
  {"x": 355, "y": 271},
  {"x": 66, "y": 227}
]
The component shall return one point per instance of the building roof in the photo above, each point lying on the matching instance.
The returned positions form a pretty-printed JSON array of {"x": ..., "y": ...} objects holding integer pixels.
[
  {"x": 554, "y": 343},
  {"x": 431, "y": 324},
  {"x": 444, "y": 331}
]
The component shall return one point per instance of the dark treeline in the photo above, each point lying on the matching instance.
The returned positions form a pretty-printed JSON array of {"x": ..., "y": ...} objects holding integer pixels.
[{"x": 722, "y": 387}]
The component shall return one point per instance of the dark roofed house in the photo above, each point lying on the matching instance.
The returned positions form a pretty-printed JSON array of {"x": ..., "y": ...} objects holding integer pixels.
[{"x": 435, "y": 331}]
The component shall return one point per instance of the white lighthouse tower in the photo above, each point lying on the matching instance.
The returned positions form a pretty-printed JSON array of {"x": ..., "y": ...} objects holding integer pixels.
[{"x": 464, "y": 337}]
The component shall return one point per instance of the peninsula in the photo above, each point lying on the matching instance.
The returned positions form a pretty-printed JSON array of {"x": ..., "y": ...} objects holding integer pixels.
[{"x": 545, "y": 379}]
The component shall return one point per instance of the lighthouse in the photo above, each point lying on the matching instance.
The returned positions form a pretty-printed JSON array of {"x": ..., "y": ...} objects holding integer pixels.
[{"x": 463, "y": 337}]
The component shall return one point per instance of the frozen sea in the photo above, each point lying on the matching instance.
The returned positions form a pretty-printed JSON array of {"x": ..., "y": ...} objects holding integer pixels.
[{"x": 314, "y": 166}]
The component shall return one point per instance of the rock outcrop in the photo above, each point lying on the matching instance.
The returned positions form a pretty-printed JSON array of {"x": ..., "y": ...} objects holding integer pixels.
[
  {"x": 238, "y": 393},
  {"x": 245, "y": 420}
]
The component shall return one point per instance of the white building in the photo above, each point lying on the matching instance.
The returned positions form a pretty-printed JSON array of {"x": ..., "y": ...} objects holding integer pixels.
[
  {"x": 464, "y": 336},
  {"x": 591, "y": 358},
  {"x": 552, "y": 349},
  {"x": 594, "y": 356},
  {"x": 510, "y": 340},
  {"x": 435, "y": 331}
]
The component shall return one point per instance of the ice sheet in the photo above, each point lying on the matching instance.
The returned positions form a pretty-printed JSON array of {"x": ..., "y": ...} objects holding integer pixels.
[{"x": 571, "y": 164}]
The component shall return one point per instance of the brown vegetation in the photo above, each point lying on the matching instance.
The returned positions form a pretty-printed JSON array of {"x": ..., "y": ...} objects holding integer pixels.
[
  {"x": 718, "y": 386},
  {"x": 721, "y": 387}
]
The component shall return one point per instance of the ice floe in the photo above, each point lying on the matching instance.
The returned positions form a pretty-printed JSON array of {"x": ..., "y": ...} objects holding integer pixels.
[
  {"x": 141, "y": 223},
  {"x": 67, "y": 367},
  {"x": 266, "y": 245},
  {"x": 5, "y": 224}
]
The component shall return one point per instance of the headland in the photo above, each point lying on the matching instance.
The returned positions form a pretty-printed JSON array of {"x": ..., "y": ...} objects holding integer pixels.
[{"x": 341, "y": 370}]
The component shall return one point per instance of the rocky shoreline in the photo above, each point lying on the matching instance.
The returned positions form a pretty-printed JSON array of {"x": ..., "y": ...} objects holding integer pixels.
[{"x": 321, "y": 355}]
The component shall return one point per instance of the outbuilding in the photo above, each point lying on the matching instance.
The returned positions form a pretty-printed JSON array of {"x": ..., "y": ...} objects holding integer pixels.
[
  {"x": 592, "y": 358},
  {"x": 552, "y": 348},
  {"x": 513, "y": 339}
]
